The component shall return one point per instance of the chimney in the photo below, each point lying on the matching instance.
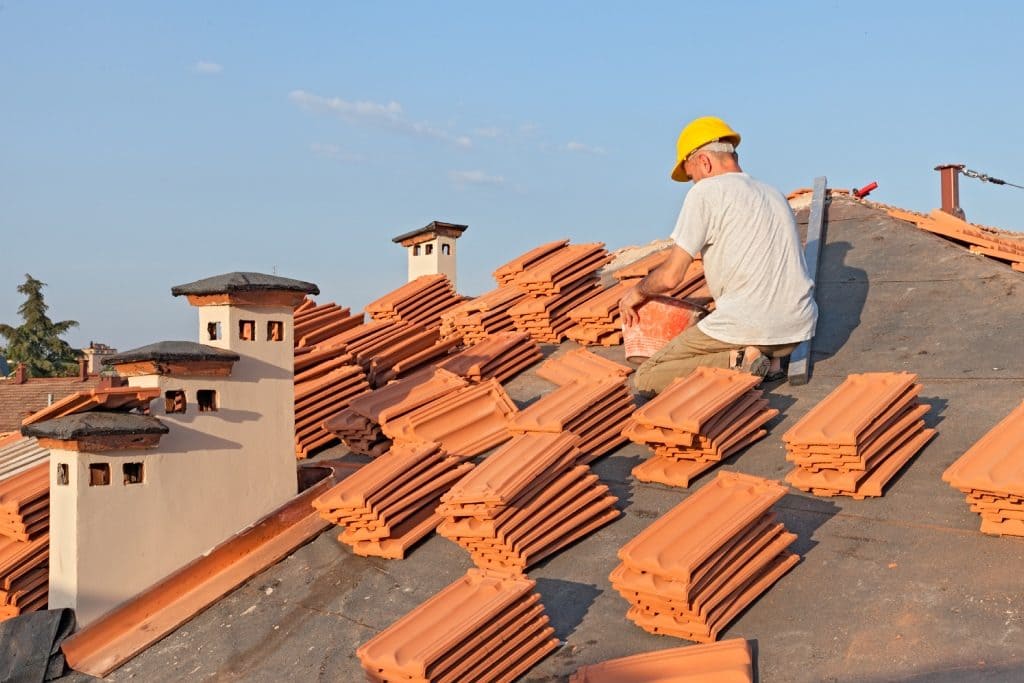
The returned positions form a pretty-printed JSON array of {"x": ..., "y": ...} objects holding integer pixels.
[
  {"x": 83, "y": 368},
  {"x": 20, "y": 374},
  {"x": 950, "y": 175}
]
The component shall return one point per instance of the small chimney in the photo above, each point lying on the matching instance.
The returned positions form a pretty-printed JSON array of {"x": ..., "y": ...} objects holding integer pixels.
[
  {"x": 83, "y": 368},
  {"x": 950, "y": 175},
  {"x": 20, "y": 374}
]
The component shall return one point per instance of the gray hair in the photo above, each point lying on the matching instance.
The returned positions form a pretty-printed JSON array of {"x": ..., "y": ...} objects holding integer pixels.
[{"x": 716, "y": 146}]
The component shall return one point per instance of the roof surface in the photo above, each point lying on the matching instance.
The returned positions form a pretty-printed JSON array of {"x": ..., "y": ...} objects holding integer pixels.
[
  {"x": 18, "y": 401},
  {"x": 95, "y": 423},
  {"x": 170, "y": 351},
  {"x": 243, "y": 282},
  {"x": 902, "y": 587},
  {"x": 432, "y": 226}
]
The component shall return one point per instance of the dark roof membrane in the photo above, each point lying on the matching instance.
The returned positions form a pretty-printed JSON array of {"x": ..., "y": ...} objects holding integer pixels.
[
  {"x": 171, "y": 351},
  {"x": 244, "y": 282}
]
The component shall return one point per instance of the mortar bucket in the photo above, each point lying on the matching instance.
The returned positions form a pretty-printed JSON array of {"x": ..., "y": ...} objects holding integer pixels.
[{"x": 661, "y": 320}]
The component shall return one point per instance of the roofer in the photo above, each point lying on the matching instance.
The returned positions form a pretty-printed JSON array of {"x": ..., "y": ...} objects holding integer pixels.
[{"x": 753, "y": 262}]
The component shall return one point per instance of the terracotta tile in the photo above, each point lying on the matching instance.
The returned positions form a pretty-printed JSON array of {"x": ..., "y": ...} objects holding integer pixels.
[
  {"x": 423, "y": 636},
  {"x": 406, "y": 394},
  {"x": 508, "y": 471},
  {"x": 562, "y": 268},
  {"x": 842, "y": 417},
  {"x": 671, "y": 472},
  {"x": 468, "y": 527},
  {"x": 506, "y": 272},
  {"x": 384, "y": 473},
  {"x": 728, "y": 661},
  {"x": 701, "y": 631},
  {"x": 580, "y": 364},
  {"x": 524, "y": 616},
  {"x": 403, "y": 536},
  {"x": 481, "y": 360},
  {"x": 691, "y": 532},
  {"x": 466, "y": 422},
  {"x": 692, "y": 400},
  {"x": 993, "y": 463},
  {"x": 553, "y": 411}
]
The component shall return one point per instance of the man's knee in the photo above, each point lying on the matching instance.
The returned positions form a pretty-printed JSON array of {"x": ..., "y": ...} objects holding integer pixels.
[{"x": 645, "y": 380}]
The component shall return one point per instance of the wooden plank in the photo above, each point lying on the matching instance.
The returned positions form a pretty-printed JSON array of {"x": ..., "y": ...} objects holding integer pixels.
[{"x": 800, "y": 359}]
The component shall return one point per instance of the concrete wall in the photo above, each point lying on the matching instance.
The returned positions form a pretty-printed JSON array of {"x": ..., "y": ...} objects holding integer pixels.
[
  {"x": 435, "y": 262},
  {"x": 214, "y": 474}
]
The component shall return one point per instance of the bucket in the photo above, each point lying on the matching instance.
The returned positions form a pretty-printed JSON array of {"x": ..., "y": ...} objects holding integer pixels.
[{"x": 661, "y": 320}]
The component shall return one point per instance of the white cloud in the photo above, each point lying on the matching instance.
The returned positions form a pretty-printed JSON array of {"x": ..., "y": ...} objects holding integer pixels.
[
  {"x": 463, "y": 178},
  {"x": 389, "y": 116},
  {"x": 207, "y": 68},
  {"x": 491, "y": 132},
  {"x": 331, "y": 151},
  {"x": 583, "y": 148}
]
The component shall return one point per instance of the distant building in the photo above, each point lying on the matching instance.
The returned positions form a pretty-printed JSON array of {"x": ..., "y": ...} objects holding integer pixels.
[
  {"x": 94, "y": 355},
  {"x": 432, "y": 249},
  {"x": 134, "y": 497},
  {"x": 21, "y": 395}
]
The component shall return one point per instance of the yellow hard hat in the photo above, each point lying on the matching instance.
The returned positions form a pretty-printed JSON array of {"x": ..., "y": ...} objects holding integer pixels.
[{"x": 698, "y": 133}]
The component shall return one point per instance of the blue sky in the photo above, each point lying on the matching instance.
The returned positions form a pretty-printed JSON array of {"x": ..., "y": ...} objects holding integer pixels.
[{"x": 144, "y": 145}]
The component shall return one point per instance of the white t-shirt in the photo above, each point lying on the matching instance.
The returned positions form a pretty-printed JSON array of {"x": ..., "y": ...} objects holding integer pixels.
[{"x": 753, "y": 261}]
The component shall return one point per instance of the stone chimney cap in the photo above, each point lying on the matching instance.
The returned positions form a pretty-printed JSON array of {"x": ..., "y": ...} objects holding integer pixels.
[
  {"x": 440, "y": 227},
  {"x": 172, "y": 351},
  {"x": 230, "y": 283},
  {"x": 95, "y": 423}
]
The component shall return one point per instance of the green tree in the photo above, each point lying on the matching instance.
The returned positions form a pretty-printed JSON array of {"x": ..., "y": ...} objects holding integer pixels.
[{"x": 36, "y": 342}]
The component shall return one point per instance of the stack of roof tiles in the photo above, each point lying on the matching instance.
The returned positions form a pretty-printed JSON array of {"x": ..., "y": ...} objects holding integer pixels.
[
  {"x": 339, "y": 357},
  {"x": 991, "y": 473},
  {"x": 598, "y": 321},
  {"x": 466, "y": 422},
  {"x": 697, "y": 567},
  {"x": 581, "y": 365},
  {"x": 594, "y": 410},
  {"x": 18, "y": 453},
  {"x": 324, "y": 385},
  {"x": 507, "y": 273},
  {"x": 487, "y": 314},
  {"x": 696, "y": 422},
  {"x": 979, "y": 239},
  {"x": 359, "y": 425},
  {"x": 727, "y": 661},
  {"x": 480, "y": 628},
  {"x": 24, "y": 540},
  {"x": 500, "y": 356},
  {"x": 859, "y": 436},
  {"x": 25, "y": 503},
  {"x": 556, "y": 278},
  {"x": 319, "y": 324},
  {"x": 388, "y": 505},
  {"x": 527, "y": 500},
  {"x": 24, "y": 575},
  {"x": 420, "y": 301}
]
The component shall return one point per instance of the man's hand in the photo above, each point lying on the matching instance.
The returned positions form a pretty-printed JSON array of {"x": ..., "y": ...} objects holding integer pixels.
[{"x": 630, "y": 301}]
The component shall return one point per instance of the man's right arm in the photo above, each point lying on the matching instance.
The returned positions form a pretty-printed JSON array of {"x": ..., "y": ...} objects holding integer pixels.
[{"x": 660, "y": 280}]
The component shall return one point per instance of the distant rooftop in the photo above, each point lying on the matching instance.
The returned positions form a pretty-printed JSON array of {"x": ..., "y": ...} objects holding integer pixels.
[
  {"x": 230, "y": 283},
  {"x": 95, "y": 423},
  {"x": 172, "y": 351},
  {"x": 440, "y": 227}
]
